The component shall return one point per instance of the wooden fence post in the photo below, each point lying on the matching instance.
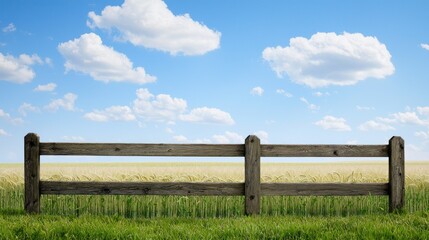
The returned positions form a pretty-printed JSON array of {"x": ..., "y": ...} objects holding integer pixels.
[
  {"x": 396, "y": 174},
  {"x": 32, "y": 173},
  {"x": 252, "y": 175}
]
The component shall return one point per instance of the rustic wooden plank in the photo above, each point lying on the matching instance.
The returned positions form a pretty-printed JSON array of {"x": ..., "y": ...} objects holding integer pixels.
[
  {"x": 273, "y": 150},
  {"x": 252, "y": 175},
  {"x": 142, "y": 188},
  {"x": 31, "y": 173},
  {"x": 396, "y": 174},
  {"x": 130, "y": 149},
  {"x": 324, "y": 189}
]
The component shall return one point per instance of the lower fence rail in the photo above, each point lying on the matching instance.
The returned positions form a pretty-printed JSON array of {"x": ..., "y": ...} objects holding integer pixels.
[{"x": 211, "y": 189}]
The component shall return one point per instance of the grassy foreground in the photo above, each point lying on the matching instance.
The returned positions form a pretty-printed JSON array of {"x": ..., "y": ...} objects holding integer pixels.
[{"x": 383, "y": 226}]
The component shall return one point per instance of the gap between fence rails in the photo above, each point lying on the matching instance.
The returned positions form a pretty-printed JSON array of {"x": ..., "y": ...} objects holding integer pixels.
[{"x": 252, "y": 188}]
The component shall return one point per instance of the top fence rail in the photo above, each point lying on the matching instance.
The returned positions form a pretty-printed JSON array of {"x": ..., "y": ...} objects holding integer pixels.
[{"x": 211, "y": 150}]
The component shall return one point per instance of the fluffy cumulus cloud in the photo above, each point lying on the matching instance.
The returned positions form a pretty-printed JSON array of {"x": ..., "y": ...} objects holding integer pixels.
[
  {"x": 152, "y": 25},
  {"x": 49, "y": 87},
  {"x": 375, "y": 125},
  {"x": 161, "y": 107},
  {"x": 87, "y": 54},
  {"x": 257, "y": 91},
  {"x": 18, "y": 69},
  {"x": 425, "y": 46},
  {"x": 114, "y": 113},
  {"x": 208, "y": 115},
  {"x": 66, "y": 103},
  {"x": 330, "y": 59},
  {"x": 410, "y": 118},
  {"x": 333, "y": 123},
  {"x": 418, "y": 117}
]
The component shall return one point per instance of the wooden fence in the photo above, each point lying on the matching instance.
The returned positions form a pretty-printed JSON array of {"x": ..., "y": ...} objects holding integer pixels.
[{"x": 252, "y": 188}]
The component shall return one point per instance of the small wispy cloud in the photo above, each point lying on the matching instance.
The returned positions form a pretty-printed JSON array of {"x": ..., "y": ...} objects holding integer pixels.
[
  {"x": 257, "y": 91},
  {"x": 46, "y": 88},
  {"x": 284, "y": 93},
  {"x": 9, "y": 28},
  {"x": 310, "y": 106}
]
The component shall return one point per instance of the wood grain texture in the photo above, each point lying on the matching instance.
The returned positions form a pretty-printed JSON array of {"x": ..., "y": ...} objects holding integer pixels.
[
  {"x": 142, "y": 188},
  {"x": 324, "y": 189},
  {"x": 396, "y": 174},
  {"x": 31, "y": 173},
  {"x": 118, "y": 149},
  {"x": 272, "y": 150},
  {"x": 252, "y": 175}
]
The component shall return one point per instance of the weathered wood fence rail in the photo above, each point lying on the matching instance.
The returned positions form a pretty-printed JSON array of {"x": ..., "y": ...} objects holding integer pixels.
[{"x": 252, "y": 188}]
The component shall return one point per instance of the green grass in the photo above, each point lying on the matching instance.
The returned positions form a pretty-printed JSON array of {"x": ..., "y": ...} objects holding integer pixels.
[
  {"x": 375, "y": 226},
  {"x": 11, "y": 198}
]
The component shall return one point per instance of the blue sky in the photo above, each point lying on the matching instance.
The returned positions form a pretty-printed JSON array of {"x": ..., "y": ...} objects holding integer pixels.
[{"x": 324, "y": 72}]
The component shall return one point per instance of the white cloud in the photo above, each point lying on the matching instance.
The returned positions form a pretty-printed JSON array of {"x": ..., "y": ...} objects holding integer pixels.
[
  {"x": 9, "y": 118},
  {"x": 262, "y": 135},
  {"x": 422, "y": 134},
  {"x": 180, "y": 138},
  {"x": 423, "y": 111},
  {"x": 3, "y": 132},
  {"x": 330, "y": 59},
  {"x": 228, "y": 137},
  {"x": 46, "y": 88},
  {"x": 27, "y": 107},
  {"x": 425, "y": 46},
  {"x": 352, "y": 142},
  {"x": 66, "y": 103},
  {"x": 257, "y": 91},
  {"x": 310, "y": 106},
  {"x": 151, "y": 24},
  {"x": 320, "y": 94},
  {"x": 386, "y": 120},
  {"x": 73, "y": 138},
  {"x": 283, "y": 92},
  {"x": 333, "y": 123},
  {"x": 373, "y": 125},
  {"x": 361, "y": 108},
  {"x": 162, "y": 107},
  {"x": 88, "y": 55},
  {"x": 208, "y": 115},
  {"x": 18, "y": 70},
  {"x": 409, "y": 117},
  {"x": 115, "y": 113},
  {"x": 9, "y": 28},
  {"x": 49, "y": 62}
]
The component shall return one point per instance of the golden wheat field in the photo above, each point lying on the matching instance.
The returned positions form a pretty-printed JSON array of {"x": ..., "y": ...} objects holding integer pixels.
[{"x": 213, "y": 172}]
